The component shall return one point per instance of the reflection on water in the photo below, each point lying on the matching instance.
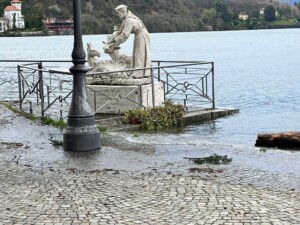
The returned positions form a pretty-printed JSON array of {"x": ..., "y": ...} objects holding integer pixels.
[{"x": 204, "y": 128}]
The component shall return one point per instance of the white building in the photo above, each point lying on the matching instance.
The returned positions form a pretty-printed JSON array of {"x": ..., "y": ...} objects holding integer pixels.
[
  {"x": 262, "y": 12},
  {"x": 3, "y": 25},
  {"x": 243, "y": 16},
  {"x": 13, "y": 12}
]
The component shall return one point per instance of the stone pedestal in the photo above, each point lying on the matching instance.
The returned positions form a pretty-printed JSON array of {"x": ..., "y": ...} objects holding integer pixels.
[{"x": 115, "y": 99}]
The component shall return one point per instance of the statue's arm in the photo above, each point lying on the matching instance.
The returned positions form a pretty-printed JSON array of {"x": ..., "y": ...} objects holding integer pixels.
[
  {"x": 121, "y": 39},
  {"x": 124, "y": 33}
]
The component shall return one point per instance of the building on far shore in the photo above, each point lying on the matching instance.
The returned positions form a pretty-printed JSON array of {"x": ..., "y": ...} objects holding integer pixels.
[
  {"x": 3, "y": 24},
  {"x": 12, "y": 16},
  {"x": 243, "y": 16},
  {"x": 59, "y": 26}
]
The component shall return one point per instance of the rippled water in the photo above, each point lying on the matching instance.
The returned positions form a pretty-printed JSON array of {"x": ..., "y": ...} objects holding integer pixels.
[{"x": 256, "y": 71}]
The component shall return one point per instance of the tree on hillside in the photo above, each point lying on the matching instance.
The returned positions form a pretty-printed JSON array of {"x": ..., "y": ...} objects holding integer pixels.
[
  {"x": 208, "y": 16},
  {"x": 14, "y": 22},
  {"x": 222, "y": 11},
  {"x": 269, "y": 13},
  {"x": 3, "y": 4},
  {"x": 284, "y": 10},
  {"x": 34, "y": 17},
  {"x": 295, "y": 13},
  {"x": 98, "y": 16}
]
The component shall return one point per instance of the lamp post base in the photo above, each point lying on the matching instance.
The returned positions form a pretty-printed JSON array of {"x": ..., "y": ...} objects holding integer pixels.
[
  {"x": 81, "y": 142},
  {"x": 81, "y": 138}
]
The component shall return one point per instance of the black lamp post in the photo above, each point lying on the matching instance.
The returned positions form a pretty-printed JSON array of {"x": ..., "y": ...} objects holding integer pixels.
[{"x": 81, "y": 133}]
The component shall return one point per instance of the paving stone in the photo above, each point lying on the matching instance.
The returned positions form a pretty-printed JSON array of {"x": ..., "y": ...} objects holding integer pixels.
[
  {"x": 41, "y": 196},
  {"x": 119, "y": 199}
]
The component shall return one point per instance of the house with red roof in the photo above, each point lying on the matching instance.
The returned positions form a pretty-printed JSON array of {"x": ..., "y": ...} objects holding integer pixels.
[{"x": 12, "y": 15}]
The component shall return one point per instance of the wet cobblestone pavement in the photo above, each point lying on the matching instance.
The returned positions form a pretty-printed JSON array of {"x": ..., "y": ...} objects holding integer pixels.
[{"x": 41, "y": 184}]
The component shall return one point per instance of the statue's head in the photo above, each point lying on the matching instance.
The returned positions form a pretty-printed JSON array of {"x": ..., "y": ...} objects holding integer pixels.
[
  {"x": 91, "y": 51},
  {"x": 121, "y": 11},
  {"x": 109, "y": 47}
]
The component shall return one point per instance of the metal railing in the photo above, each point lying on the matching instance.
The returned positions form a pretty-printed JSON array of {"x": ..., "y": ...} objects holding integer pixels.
[
  {"x": 190, "y": 83},
  {"x": 34, "y": 88},
  {"x": 46, "y": 86},
  {"x": 43, "y": 87}
]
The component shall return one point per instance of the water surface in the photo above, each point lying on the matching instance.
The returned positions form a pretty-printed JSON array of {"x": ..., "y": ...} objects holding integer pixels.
[{"x": 256, "y": 71}]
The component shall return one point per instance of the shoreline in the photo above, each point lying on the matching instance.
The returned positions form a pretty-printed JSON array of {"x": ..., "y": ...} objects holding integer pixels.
[
  {"x": 23, "y": 34},
  {"x": 41, "y": 33}
]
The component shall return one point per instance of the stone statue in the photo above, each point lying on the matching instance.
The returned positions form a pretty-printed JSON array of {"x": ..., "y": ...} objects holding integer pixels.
[
  {"x": 93, "y": 56},
  {"x": 141, "y": 57},
  {"x": 119, "y": 61}
]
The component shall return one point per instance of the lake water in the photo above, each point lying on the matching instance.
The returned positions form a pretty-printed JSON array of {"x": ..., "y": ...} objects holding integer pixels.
[{"x": 255, "y": 71}]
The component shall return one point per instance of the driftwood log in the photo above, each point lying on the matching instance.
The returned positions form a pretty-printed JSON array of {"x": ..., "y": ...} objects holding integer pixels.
[{"x": 285, "y": 140}]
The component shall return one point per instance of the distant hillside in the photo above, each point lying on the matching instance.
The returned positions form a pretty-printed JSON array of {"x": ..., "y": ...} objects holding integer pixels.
[
  {"x": 158, "y": 15},
  {"x": 291, "y": 2}
]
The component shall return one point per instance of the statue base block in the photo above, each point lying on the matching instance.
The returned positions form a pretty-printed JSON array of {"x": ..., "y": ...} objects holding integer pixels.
[{"x": 118, "y": 99}]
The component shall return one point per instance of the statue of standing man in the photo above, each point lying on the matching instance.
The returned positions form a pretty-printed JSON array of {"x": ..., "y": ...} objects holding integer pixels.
[{"x": 141, "y": 57}]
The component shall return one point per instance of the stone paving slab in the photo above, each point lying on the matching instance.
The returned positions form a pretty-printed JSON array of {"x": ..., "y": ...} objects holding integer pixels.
[
  {"x": 31, "y": 196},
  {"x": 40, "y": 184}
]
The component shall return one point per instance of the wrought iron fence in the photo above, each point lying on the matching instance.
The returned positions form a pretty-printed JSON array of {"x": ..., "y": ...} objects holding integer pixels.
[
  {"x": 46, "y": 87},
  {"x": 35, "y": 88},
  {"x": 48, "y": 90},
  {"x": 8, "y": 81},
  {"x": 190, "y": 83}
]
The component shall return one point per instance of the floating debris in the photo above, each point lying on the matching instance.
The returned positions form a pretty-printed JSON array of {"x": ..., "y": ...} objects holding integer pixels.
[
  {"x": 56, "y": 143},
  {"x": 205, "y": 170},
  {"x": 214, "y": 159}
]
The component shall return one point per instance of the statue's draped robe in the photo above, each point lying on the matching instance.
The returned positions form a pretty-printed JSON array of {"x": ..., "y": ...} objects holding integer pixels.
[{"x": 141, "y": 57}]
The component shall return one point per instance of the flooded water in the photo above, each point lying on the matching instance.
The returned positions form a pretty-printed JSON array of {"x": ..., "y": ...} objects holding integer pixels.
[{"x": 256, "y": 71}]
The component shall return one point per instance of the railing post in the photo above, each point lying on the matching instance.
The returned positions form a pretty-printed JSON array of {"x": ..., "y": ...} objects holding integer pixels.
[
  {"x": 41, "y": 87},
  {"x": 167, "y": 81},
  {"x": 153, "y": 88},
  {"x": 158, "y": 70},
  {"x": 213, "y": 84},
  {"x": 141, "y": 95},
  {"x": 95, "y": 100},
  {"x": 48, "y": 96},
  {"x": 164, "y": 87},
  {"x": 20, "y": 87},
  {"x": 30, "y": 107}
]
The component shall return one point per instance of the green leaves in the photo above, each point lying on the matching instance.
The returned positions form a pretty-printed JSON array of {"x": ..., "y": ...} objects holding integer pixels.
[
  {"x": 270, "y": 13},
  {"x": 214, "y": 159},
  {"x": 56, "y": 123},
  {"x": 160, "y": 117}
]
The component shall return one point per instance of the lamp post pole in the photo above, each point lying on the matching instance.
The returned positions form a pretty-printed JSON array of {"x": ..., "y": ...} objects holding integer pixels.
[{"x": 81, "y": 133}]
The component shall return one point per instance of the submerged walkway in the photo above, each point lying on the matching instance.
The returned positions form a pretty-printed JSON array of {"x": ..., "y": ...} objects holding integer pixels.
[{"x": 36, "y": 187}]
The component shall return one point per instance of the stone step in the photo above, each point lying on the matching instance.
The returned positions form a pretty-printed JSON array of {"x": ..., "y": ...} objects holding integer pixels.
[{"x": 200, "y": 115}]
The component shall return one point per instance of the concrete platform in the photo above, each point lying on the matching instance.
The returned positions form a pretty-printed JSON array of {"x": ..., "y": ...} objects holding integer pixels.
[
  {"x": 115, "y": 122},
  {"x": 207, "y": 114}
]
